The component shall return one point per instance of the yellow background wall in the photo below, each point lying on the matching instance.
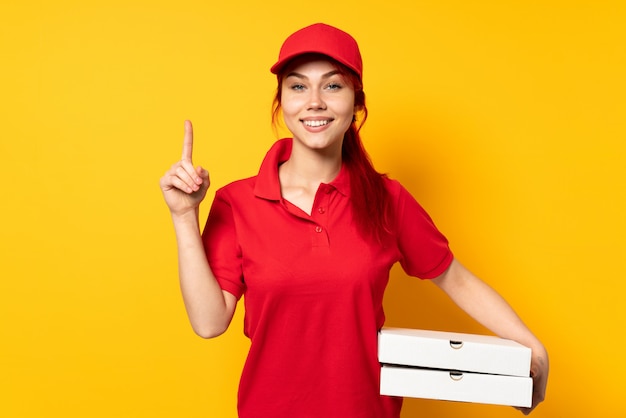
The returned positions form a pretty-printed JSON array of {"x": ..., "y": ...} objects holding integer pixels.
[{"x": 505, "y": 119}]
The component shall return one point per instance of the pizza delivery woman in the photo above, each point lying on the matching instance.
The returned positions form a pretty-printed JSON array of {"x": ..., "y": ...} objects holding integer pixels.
[{"x": 309, "y": 241}]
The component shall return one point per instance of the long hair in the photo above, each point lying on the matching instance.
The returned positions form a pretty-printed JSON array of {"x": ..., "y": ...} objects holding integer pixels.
[{"x": 369, "y": 196}]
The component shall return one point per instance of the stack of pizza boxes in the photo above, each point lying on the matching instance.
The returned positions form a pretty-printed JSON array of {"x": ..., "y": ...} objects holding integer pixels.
[{"x": 454, "y": 367}]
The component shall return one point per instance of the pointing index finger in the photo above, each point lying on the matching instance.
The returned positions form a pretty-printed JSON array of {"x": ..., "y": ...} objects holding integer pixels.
[{"x": 188, "y": 141}]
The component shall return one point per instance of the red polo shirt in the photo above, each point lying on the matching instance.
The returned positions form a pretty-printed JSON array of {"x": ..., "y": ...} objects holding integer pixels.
[{"x": 313, "y": 291}]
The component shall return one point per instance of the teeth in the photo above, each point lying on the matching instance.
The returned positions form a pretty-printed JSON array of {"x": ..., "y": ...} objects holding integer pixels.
[{"x": 316, "y": 123}]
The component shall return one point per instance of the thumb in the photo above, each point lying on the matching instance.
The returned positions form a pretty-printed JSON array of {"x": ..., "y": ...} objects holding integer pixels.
[{"x": 203, "y": 174}]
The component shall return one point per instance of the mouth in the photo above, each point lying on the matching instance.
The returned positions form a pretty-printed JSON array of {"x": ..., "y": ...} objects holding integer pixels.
[{"x": 316, "y": 123}]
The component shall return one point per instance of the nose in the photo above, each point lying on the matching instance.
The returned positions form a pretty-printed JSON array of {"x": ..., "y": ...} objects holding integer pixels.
[{"x": 316, "y": 101}]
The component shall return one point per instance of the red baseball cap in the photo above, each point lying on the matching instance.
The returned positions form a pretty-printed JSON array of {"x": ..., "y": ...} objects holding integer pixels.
[{"x": 321, "y": 39}]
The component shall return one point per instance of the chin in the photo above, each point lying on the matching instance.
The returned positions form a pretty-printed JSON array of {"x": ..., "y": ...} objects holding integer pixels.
[{"x": 319, "y": 143}]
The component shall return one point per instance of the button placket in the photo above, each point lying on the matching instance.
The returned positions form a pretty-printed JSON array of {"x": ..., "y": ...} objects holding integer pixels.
[{"x": 319, "y": 215}]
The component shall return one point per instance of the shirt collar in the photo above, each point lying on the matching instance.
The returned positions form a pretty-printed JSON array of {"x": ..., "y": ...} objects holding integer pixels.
[{"x": 267, "y": 183}]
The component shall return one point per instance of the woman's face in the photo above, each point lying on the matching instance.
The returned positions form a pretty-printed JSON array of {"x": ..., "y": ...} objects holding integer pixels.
[{"x": 317, "y": 104}]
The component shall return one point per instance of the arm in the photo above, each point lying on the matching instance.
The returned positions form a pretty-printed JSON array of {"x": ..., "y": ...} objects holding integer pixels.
[
  {"x": 209, "y": 308},
  {"x": 487, "y": 307}
]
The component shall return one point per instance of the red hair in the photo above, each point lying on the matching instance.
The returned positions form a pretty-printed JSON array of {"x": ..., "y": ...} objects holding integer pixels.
[{"x": 369, "y": 196}]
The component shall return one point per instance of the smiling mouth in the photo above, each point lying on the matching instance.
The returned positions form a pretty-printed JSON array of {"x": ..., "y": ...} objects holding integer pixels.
[{"x": 316, "y": 123}]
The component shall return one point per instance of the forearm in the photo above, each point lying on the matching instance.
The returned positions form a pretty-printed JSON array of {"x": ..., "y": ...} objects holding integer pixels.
[
  {"x": 208, "y": 307},
  {"x": 485, "y": 305}
]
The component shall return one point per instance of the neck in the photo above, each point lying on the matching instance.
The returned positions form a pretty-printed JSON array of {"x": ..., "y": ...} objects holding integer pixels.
[
  {"x": 304, "y": 171},
  {"x": 309, "y": 167}
]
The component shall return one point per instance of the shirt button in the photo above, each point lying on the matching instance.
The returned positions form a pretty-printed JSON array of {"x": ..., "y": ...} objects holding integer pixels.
[
  {"x": 318, "y": 229},
  {"x": 321, "y": 210}
]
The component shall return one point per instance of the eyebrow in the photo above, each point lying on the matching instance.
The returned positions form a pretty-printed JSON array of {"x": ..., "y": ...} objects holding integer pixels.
[{"x": 302, "y": 76}]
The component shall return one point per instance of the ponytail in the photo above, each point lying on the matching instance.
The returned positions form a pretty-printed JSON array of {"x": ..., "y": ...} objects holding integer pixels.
[{"x": 369, "y": 196}]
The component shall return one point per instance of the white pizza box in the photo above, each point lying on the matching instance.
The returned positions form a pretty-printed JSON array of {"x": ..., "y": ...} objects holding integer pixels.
[
  {"x": 456, "y": 386},
  {"x": 453, "y": 351}
]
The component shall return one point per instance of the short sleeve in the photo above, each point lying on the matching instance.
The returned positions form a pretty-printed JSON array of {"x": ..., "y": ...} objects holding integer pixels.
[
  {"x": 222, "y": 248},
  {"x": 424, "y": 250}
]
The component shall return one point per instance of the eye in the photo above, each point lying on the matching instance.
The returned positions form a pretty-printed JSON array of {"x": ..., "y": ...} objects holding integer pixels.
[
  {"x": 297, "y": 87},
  {"x": 333, "y": 86}
]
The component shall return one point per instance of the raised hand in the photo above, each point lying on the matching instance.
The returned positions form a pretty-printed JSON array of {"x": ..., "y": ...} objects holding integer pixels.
[{"x": 183, "y": 185}]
